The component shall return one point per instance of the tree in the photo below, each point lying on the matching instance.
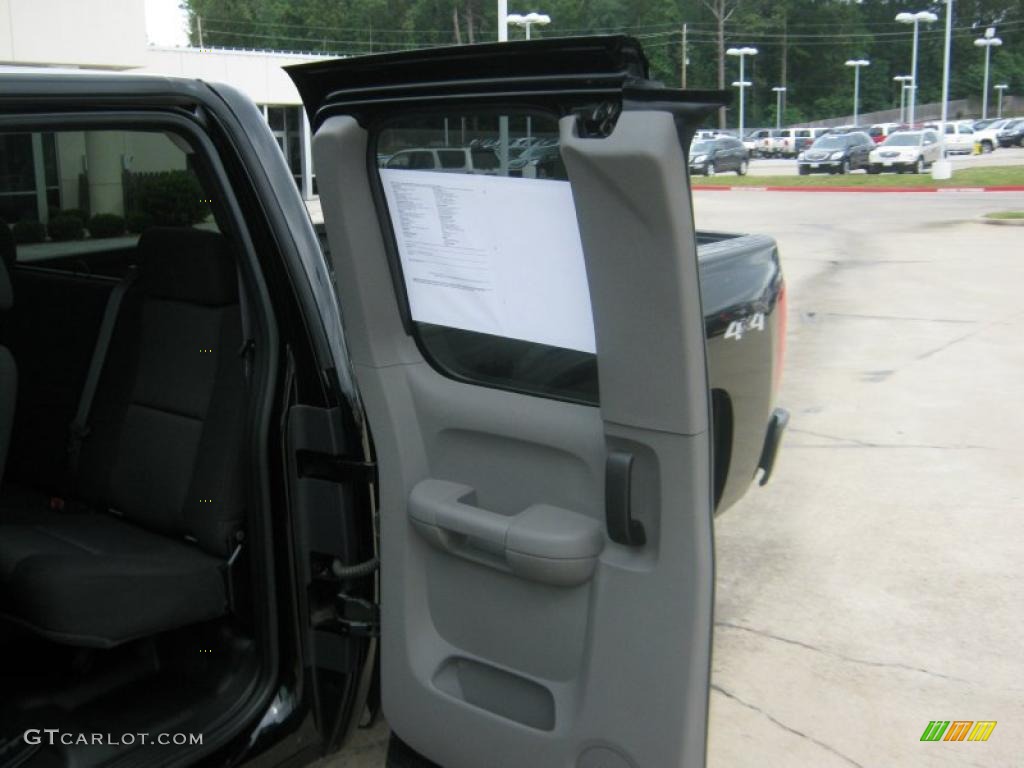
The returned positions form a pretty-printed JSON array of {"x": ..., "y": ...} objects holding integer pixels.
[{"x": 722, "y": 10}]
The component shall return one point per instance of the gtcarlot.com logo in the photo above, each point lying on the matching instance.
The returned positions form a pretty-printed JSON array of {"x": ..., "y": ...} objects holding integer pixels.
[{"x": 53, "y": 736}]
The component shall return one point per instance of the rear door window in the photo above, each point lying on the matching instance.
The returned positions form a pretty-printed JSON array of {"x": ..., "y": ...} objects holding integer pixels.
[
  {"x": 492, "y": 263},
  {"x": 76, "y": 199}
]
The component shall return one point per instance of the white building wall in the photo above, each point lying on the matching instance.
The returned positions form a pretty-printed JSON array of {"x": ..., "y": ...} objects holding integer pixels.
[
  {"x": 258, "y": 75},
  {"x": 80, "y": 33}
]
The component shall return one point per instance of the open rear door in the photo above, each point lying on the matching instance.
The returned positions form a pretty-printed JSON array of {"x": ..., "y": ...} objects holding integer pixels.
[{"x": 514, "y": 253}]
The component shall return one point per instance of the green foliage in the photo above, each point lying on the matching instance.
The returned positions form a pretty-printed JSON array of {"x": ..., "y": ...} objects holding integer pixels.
[
  {"x": 29, "y": 231},
  {"x": 78, "y": 213},
  {"x": 802, "y": 44},
  {"x": 138, "y": 222},
  {"x": 66, "y": 226},
  {"x": 106, "y": 225},
  {"x": 170, "y": 198}
]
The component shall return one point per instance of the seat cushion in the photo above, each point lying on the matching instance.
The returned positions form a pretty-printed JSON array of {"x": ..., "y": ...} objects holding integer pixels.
[{"x": 93, "y": 580}]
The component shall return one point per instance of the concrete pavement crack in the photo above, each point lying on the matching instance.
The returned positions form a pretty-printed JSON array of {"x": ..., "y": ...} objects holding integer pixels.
[
  {"x": 841, "y": 656},
  {"x": 899, "y": 318},
  {"x": 783, "y": 726},
  {"x": 852, "y": 441}
]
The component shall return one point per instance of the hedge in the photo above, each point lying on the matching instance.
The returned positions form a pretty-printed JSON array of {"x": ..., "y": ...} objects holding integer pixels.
[
  {"x": 106, "y": 225},
  {"x": 29, "y": 231},
  {"x": 65, "y": 226}
]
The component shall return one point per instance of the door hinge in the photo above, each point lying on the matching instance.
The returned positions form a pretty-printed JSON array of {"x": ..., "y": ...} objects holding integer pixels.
[{"x": 350, "y": 616}]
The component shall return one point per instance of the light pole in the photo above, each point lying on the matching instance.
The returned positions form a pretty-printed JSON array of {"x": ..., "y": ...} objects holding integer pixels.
[
  {"x": 941, "y": 168},
  {"x": 527, "y": 21},
  {"x": 856, "y": 64},
  {"x": 903, "y": 80},
  {"x": 779, "y": 90},
  {"x": 987, "y": 42},
  {"x": 502, "y": 21},
  {"x": 999, "y": 89},
  {"x": 915, "y": 19},
  {"x": 741, "y": 83}
]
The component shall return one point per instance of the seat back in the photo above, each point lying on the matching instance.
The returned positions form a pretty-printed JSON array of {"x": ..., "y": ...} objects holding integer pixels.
[{"x": 166, "y": 428}]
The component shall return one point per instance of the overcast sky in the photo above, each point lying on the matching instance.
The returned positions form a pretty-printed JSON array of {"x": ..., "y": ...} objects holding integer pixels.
[{"x": 166, "y": 23}]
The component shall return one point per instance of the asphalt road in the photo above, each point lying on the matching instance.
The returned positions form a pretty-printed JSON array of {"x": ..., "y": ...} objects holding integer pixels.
[
  {"x": 787, "y": 167},
  {"x": 875, "y": 583}
]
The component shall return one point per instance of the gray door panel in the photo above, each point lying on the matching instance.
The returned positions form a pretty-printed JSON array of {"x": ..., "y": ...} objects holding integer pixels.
[{"x": 515, "y": 631}]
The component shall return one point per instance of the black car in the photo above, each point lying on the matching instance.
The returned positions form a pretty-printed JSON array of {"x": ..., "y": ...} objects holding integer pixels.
[
  {"x": 1012, "y": 134},
  {"x": 836, "y": 153},
  {"x": 722, "y": 153},
  {"x": 461, "y": 469}
]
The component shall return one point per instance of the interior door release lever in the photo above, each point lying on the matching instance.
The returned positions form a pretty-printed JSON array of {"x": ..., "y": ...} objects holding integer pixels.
[{"x": 618, "y": 481}]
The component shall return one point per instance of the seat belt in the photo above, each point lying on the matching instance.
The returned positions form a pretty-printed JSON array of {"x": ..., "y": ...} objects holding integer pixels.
[{"x": 80, "y": 424}]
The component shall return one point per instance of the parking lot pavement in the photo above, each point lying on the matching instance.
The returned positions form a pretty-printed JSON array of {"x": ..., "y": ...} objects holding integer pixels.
[
  {"x": 874, "y": 584},
  {"x": 766, "y": 166}
]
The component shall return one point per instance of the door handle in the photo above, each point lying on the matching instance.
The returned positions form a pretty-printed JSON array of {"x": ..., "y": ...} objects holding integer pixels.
[
  {"x": 542, "y": 543},
  {"x": 618, "y": 492}
]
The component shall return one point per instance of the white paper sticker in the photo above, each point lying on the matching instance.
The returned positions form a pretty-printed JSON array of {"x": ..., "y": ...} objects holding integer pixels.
[{"x": 492, "y": 254}]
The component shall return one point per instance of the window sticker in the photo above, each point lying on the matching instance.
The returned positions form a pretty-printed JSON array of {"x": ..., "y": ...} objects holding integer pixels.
[{"x": 492, "y": 254}]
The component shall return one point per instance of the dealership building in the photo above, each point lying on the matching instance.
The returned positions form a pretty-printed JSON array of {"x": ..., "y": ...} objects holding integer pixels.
[{"x": 40, "y": 173}]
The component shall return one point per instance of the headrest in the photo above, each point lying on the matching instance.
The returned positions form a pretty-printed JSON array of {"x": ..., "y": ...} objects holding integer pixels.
[
  {"x": 188, "y": 265},
  {"x": 8, "y": 255}
]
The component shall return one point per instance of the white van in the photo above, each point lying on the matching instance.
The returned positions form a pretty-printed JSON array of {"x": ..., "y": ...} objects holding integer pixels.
[{"x": 453, "y": 159}]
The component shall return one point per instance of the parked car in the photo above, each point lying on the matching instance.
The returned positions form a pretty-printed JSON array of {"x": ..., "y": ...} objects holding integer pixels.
[
  {"x": 836, "y": 153},
  {"x": 839, "y": 129},
  {"x": 1012, "y": 134},
  {"x": 711, "y": 156},
  {"x": 906, "y": 151},
  {"x": 541, "y": 161},
  {"x": 446, "y": 159},
  {"x": 784, "y": 142},
  {"x": 805, "y": 137},
  {"x": 879, "y": 132},
  {"x": 254, "y": 493},
  {"x": 755, "y": 141},
  {"x": 959, "y": 138},
  {"x": 986, "y": 133}
]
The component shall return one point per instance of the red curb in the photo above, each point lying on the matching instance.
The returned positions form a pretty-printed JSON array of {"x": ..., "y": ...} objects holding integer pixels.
[{"x": 723, "y": 188}]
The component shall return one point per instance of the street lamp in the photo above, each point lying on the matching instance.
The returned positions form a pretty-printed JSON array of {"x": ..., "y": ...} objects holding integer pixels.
[
  {"x": 987, "y": 42},
  {"x": 779, "y": 90},
  {"x": 941, "y": 168},
  {"x": 527, "y": 21},
  {"x": 999, "y": 89},
  {"x": 915, "y": 19},
  {"x": 741, "y": 83},
  {"x": 903, "y": 80},
  {"x": 856, "y": 64}
]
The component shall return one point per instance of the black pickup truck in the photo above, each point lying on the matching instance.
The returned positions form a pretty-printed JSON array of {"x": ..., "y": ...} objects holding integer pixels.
[{"x": 461, "y": 469}]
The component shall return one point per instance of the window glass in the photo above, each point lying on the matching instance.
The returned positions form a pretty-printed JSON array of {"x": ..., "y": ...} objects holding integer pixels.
[
  {"x": 93, "y": 192},
  {"x": 452, "y": 158},
  {"x": 490, "y": 254},
  {"x": 487, "y": 160}
]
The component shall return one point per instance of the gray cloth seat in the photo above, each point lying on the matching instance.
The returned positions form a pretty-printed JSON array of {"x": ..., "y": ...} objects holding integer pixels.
[
  {"x": 92, "y": 580},
  {"x": 159, "y": 463}
]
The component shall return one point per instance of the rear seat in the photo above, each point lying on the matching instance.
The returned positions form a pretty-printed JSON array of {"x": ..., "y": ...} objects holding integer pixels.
[{"x": 160, "y": 464}]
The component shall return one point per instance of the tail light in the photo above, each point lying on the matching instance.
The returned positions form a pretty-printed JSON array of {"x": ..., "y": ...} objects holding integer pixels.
[{"x": 781, "y": 306}]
